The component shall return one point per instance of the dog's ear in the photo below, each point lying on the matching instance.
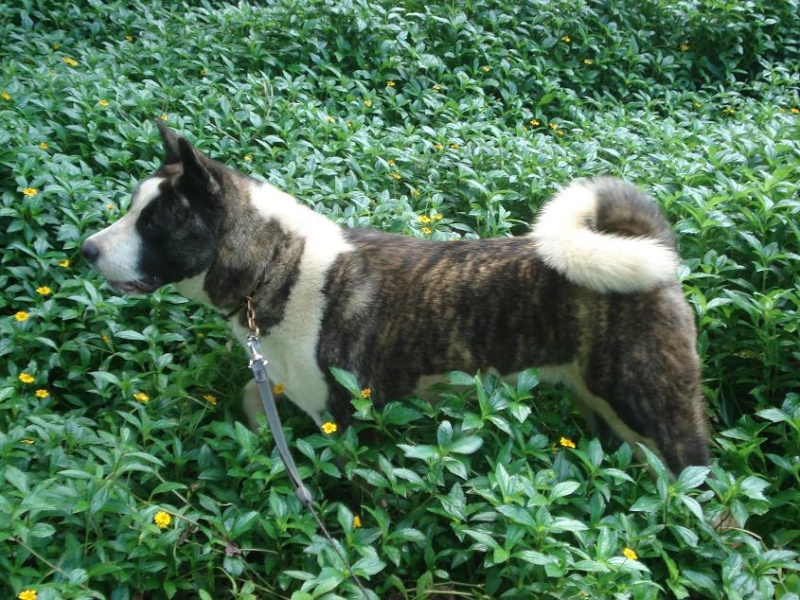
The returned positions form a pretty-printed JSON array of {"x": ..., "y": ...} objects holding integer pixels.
[
  {"x": 198, "y": 181},
  {"x": 171, "y": 152}
]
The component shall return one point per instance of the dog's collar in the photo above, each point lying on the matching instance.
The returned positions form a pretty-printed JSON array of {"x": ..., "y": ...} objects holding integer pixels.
[
  {"x": 239, "y": 308},
  {"x": 246, "y": 302}
]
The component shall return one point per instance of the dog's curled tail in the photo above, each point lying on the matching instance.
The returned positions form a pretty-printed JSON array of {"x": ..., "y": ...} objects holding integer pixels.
[{"x": 606, "y": 235}]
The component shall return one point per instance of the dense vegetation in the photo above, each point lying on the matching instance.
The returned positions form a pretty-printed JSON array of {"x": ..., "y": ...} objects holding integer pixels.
[{"x": 124, "y": 472}]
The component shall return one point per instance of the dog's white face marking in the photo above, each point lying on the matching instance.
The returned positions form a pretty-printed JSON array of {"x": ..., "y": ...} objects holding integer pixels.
[
  {"x": 120, "y": 244},
  {"x": 291, "y": 346}
]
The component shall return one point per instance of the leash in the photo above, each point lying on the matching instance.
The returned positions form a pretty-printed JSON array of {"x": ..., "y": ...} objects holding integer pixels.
[{"x": 258, "y": 364}]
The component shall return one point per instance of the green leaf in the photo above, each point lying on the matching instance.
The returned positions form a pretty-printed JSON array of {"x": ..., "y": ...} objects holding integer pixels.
[
  {"x": 16, "y": 478},
  {"x": 692, "y": 477},
  {"x": 563, "y": 489},
  {"x": 466, "y": 445},
  {"x": 42, "y": 530},
  {"x": 130, "y": 334},
  {"x": 423, "y": 452},
  {"x": 484, "y": 541},
  {"x": 459, "y": 378},
  {"x": 518, "y": 514},
  {"x": 534, "y": 557},
  {"x": 444, "y": 434},
  {"x": 647, "y": 504},
  {"x": 775, "y": 415},
  {"x": 397, "y": 413},
  {"x": 368, "y": 566},
  {"x": 347, "y": 380}
]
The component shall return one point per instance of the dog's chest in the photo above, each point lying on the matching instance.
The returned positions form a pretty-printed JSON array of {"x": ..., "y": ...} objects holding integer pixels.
[{"x": 292, "y": 365}]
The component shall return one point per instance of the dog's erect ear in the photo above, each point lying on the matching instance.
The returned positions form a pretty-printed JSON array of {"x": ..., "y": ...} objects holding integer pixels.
[
  {"x": 198, "y": 181},
  {"x": 172, "y": 153}
]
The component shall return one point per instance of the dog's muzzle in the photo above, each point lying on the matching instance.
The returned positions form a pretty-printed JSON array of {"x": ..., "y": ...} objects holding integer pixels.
[{"x": 91, "y": 252}]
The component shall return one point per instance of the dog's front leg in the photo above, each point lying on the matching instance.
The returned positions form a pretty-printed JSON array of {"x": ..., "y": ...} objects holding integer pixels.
[{"x": 251, "y": 405}]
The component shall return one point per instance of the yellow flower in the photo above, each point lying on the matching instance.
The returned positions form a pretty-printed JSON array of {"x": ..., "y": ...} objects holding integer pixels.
[
  {"x": 202, "y": 72},
  {"x": 630, "y": 554},
  {"x": 329, "y": 427},
  {"x": 248, "y": 158},
  {"x": 486, "y": 68},
  {"x": 566, "y": 39},
  {"x": 6, "y": 96},
  {"x": 42, "y": 394},
  {"x": 588, "y": 61},
  {"x": 110, "y": 206},
  {"x": 44, "y": 290},
  {"x": 28, "y": 441},
  {"x": 356, "y": 521},
  {"x": 141, "y": 397},
  {"x": 729, "y": 110},
  {"x": 552, "y": 125},
  {"x": 30, "y": 191},
  {"x": 424, "y": 219},
  {"x": 102, "y": 102},
  {"x": 534, "y": 122},
  {"x": 566, "y": 442},
  {"x": 163, "y": 117},
  {"x": 684, "y": 47},
  {"x": 70, "y": 61},
  {"x": 64, "y": 263},
  {"x": 367, "y": 102},
  {"x": 397, "y": 176},
  {"x": 559, "y": 132},
  {"x": 426, "y": 230},
  {"x": 415, "y": 192},
  {"x": 27, "y": 595},
  {"x": 44, "y": 146},
  {"x": 390, "y": 84},
  {"x": 366, "y": 393},
  {"x": 212, "y": 400},
  {"x": 26, "y": 378},
  {"x": 439, "y": 147},
  {"x": 22, "y": 316},
  {"x": 454, "y": 146},
  {"x": 278, "y": 389},
  {"x": 129, "y": 38},
  {"x": 794, "y": 110},
  {"x": 330, "y": 119},
  {"x": 390, "y": 162},
  {"x": 105, "y": 339},
  {"x": 436, "y": 88},
  {"x": 437, "y": 217},
  {"x": 162, "y": 519}
]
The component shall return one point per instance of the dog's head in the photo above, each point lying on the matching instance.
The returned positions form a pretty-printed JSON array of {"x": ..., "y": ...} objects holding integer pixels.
[{"x": 170, "y": 230}]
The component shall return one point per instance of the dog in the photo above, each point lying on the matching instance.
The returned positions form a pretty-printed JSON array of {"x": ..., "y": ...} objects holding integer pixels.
[{"x": 589, "y": 296}]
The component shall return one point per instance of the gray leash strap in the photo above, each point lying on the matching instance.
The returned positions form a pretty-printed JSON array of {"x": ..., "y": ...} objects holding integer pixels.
[
  {"x": 259, "y": 368},
  {"x": 258, "y": 365}
]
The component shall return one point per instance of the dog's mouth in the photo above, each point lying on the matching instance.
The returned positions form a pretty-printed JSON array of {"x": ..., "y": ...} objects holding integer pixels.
[{"x": 137, "y": 286}]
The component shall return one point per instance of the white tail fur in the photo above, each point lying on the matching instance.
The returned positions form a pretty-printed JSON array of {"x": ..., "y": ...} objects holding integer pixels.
[{"x": 602, "y": 261}]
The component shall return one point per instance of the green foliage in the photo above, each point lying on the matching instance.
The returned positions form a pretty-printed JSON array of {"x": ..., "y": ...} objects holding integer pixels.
[{"x": 437, "y": 120}]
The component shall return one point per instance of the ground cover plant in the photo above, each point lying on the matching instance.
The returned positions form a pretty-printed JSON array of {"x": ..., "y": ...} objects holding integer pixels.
[{"x": 124, "y": 472}]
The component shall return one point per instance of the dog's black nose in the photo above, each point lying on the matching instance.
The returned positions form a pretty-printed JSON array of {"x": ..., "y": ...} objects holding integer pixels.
[{"x": 90, "y": 251}]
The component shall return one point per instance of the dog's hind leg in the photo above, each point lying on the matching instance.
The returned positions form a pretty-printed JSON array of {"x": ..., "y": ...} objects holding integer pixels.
[{"x": 666, "y": 417}]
